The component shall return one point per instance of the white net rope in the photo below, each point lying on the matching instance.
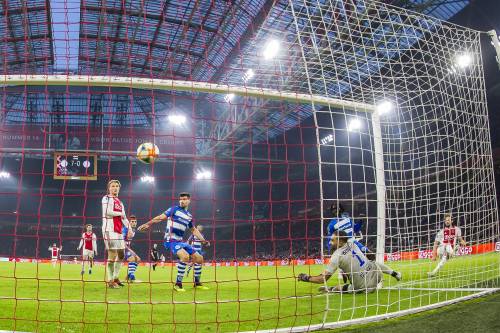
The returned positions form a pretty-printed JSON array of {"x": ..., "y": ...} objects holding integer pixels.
[{"x": 435, "y": 142}]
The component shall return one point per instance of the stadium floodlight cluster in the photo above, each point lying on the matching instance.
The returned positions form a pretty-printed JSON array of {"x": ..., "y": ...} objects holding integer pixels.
[
  {"x": 203, "y": 174},
  {"x": 147, "y": 179},
  {"x": 277, "y": 123},
  {"x": 271, "y": 49},
  {"x": 177, "y": 119}
]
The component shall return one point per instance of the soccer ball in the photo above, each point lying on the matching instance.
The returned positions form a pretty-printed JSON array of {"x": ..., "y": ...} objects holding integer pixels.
[{"x": 147, "y": 152}]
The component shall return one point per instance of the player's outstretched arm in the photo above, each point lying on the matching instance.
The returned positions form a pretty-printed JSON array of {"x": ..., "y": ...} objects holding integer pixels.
[
  {"x": 438, "y": 241},
  {"x": 435, "y": 251},
  {"x": 332, "y": 267},
  {"x": 94, "y": 243},
  {"x": 80, "y": 245},
  {"x": 154, "y": 220},
  {"x": 198, "y": 235},
  {"x": 318, "y": 279},
  {"x": 460, "y": 238}
]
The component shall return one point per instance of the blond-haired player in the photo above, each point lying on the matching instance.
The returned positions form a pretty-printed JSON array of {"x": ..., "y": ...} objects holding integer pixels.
[{"x": 113, "y": 221}]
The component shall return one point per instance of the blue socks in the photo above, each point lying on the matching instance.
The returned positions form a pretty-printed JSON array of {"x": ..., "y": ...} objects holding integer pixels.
[
  {"x": 132, "y": 267},
  {"x": 181, "y": 268}
]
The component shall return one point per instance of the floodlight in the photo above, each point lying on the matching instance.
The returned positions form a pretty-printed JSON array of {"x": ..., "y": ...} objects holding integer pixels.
[
  {"x": 177, "y": 119},
  {"x": 203, "y": 175},
  {"x": 147, "y": 179},
  {"x": 327, "y": 139},
  {"x": 385, "y": 107},
  {"x": 354, "y": 125},
  {"x": 249, "y": 74},
  {"x": 463, "y": 60},
  {"x": 271, "y": 49}
]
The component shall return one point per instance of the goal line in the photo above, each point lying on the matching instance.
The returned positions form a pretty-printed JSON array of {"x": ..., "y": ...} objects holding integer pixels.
[{"x": 371, "y": 319}]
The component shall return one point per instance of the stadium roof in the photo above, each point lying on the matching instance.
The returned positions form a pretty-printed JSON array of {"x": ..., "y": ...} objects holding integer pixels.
[{"x": 188, "y": 40}]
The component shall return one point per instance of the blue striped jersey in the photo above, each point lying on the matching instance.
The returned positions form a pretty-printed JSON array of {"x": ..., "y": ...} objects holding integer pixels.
[
  {"x": 346, "y": 224},
  {"x": 128, "y": 240},
  {"x": 178, "y": 220},
  {"x": 343, "y": 223},
  {"x": 195, "y": 243}
]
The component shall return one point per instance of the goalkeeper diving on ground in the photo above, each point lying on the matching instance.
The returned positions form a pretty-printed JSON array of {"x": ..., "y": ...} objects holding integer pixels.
[{"x": 364, "y": 275}]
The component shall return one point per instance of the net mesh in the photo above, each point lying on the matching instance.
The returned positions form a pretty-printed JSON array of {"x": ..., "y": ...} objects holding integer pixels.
[{"x": 262, "y": 168}]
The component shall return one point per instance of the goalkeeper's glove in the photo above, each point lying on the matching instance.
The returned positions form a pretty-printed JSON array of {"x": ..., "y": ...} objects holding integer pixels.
[{"x": 303, "y": 277}]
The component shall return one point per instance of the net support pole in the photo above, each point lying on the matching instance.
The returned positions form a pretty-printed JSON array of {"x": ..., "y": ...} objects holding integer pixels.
[{"x": 380, "y": 185}]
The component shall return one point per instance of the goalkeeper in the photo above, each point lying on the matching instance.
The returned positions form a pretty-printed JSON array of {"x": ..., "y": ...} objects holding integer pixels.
[{"x": 364, "y": 275}]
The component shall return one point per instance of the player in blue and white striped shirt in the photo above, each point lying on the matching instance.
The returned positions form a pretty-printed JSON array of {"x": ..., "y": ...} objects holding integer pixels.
[
  {"x": 179, "y": 219},
  {"x": 130, "y": 256},
  {"x": 198, "y": 247},
  {"x": 342, "y": 221}
]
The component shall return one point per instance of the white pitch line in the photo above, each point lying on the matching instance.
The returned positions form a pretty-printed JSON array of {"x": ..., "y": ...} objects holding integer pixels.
[
  {"x": 233, "y": 300},
  {"x": 371, "y": 319},
  {"x": 445, "y": 289}
]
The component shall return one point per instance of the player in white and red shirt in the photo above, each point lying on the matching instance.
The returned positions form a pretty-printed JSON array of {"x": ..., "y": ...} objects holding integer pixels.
[
  {"x": 446, "y": 242},
  {"x": 89, "y": 244},
  {"x": 54, "y": 253},
  {"x": 113, "y": 221}
]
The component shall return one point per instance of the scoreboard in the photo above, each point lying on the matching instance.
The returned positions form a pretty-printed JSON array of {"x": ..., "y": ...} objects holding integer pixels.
[{"x": 75, "y": 166}]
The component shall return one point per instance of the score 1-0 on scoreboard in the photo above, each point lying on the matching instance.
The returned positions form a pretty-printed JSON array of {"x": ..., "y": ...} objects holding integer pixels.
[{"x": 75, "y": 166}]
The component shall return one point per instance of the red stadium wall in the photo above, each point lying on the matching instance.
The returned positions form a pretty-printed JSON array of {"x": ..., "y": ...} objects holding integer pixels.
[
  {"x": 427, "y": 254},
  {"x": 398, "y": 256}
]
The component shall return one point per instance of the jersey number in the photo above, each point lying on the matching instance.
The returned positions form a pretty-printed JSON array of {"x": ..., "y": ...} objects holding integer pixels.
[{"x": 361, "y": 261}]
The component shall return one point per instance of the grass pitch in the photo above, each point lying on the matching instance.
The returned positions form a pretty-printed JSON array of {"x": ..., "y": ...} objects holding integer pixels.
[{"x": 39, "y": 297}]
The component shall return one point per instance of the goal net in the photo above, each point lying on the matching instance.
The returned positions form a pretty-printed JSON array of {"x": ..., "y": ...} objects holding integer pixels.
[{"x": 267, "y": 113}]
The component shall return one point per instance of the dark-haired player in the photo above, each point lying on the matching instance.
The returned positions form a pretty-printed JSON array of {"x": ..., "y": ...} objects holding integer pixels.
[{"x": 179, "y": 219}]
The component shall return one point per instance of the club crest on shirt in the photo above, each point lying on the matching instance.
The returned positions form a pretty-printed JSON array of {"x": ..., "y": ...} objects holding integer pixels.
[{"x": 117, "y": 206}]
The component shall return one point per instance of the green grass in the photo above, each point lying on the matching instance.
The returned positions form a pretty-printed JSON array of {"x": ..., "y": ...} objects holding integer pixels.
[
  {"x": 38, "y": 297},
  {"x": 477, "y": 315}
]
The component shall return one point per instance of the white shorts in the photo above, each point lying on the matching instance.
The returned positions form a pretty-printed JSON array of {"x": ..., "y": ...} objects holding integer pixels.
[
  {"x": 115, "y": 241},
  {"x": 368, "y": 284},
  {"x": 54, "y": 258},
  {"x": 445, "y": 250},
  {"x": 349, "y": 288},
  {"x": 88, "y": 254}
]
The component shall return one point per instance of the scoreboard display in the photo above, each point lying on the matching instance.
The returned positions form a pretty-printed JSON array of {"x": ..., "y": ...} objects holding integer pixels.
[{"x": 75, "y": 165}]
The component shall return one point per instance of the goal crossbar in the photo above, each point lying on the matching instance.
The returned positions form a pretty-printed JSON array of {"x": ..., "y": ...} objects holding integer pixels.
[{"x": 179, "y": 85}]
